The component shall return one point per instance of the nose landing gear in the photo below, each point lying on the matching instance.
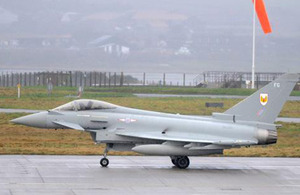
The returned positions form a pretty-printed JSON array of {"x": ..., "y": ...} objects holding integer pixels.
[{"x": 104, "y": 161}]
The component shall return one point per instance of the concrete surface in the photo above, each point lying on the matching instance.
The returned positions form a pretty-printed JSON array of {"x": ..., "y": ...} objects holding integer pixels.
[
  {"x": 147, "y": 175},
  {"x": 144, "y": 95},
  {"x": 288, "y": 120},
  {"x": 11, "y": 110}
]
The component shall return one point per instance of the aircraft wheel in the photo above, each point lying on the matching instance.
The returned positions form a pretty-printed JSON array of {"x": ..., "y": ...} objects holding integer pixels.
[
  {"x": 182, "y": 162},
  {"x": 174, "y": 160},
  {"x": 104, "y": 162}
]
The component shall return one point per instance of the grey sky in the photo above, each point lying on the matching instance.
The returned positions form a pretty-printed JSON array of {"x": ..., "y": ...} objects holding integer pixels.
[{"x": 157, "y": 35}]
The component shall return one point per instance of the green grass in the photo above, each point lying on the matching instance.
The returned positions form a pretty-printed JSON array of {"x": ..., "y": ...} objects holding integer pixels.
[
  {"x": 295, "y": 93},
  {"x": 180, "y": 90},
  {"x": 16, "y": 139},
  {"x": 174, "y": 90},
  {"x": 38, "y": 99},
  {"x": 128, "y": 91}
]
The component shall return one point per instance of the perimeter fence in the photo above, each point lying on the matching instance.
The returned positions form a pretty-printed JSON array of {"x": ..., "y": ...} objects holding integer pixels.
[
  {"x": 95, "y": 79},
  {"x": 209, "y": 79}
]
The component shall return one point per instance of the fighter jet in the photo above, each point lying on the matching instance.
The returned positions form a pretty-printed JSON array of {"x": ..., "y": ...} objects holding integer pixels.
[{"x": 250, "y": 122}]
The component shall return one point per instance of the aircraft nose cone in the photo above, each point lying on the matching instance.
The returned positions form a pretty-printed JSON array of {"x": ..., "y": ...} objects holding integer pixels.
[{"x": 33, "y": 120}]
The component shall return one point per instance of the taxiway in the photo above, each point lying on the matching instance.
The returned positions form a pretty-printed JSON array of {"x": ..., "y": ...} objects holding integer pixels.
[
  {"x": 152, "y": 95},
  {"x": 33, "y": 174}
]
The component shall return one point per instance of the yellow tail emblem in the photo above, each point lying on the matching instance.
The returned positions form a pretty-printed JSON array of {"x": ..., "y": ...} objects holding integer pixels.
[{"x": 264, "y": 98}]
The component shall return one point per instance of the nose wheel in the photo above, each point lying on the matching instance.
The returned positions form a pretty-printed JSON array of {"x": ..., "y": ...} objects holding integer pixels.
[
  {"x": 104, "y": 161},
  {"x": 181, "y": 162}
]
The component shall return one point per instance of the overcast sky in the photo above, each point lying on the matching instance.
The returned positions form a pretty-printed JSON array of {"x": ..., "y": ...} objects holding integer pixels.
[{"x": 157, "y": 35}]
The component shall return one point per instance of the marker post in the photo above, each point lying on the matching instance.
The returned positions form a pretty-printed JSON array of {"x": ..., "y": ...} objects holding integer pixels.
[{"x": 19, "y": 90}]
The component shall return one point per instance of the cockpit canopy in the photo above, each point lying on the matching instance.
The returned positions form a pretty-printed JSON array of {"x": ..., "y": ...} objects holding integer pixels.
[{"x": 84, "y": 104}]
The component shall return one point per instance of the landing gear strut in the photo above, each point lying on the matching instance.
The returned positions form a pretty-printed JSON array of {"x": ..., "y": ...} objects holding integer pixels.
[
  {"x": 104, "y": 161},
  {"x": 181, "y": 162}
]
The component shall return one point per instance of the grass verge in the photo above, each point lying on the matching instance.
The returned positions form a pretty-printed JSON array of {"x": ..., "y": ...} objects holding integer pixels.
[{"x": 17, "y": 139}]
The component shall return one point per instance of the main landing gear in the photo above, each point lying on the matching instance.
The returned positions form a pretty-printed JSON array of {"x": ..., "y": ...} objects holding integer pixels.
[
  {"x": 181, "y": 162},
  {"x": 104, "y": 161}
]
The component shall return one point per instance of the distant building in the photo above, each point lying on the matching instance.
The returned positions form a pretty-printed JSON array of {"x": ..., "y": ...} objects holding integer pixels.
[
  {"x": 110, "y": 45},
  {"x": 183, "y": 51},
  {"x": 113, "y": 48}
]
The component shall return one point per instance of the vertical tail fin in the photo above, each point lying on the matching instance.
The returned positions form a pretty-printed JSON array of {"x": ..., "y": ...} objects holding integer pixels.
[{"x": 265, "y": 104}]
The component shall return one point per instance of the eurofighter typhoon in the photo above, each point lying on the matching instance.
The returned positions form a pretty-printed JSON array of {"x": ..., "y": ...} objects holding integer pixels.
[{"x": 250, "y": 122}]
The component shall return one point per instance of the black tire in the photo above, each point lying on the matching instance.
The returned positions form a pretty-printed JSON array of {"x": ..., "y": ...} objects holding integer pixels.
[
  {"x": 183, "y": 162},
  {"x": 104, "y": 162},
  {"x": 174, "y": 160}
]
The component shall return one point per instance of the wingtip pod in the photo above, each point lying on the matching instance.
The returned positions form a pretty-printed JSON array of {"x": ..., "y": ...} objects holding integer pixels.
[{"x": 262, "y": 16}]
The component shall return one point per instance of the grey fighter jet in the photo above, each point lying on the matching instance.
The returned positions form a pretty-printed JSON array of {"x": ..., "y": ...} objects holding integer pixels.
[{"x": 250, "y": 122}]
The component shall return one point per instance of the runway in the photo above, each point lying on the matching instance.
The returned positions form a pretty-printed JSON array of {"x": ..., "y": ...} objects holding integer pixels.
[
  {"x": 12, "y": 110},
  {"x": 76, "y": 175},
  {"x": 151, "y": 95}
]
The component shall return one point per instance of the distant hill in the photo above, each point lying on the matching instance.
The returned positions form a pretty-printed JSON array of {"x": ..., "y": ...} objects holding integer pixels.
[{"x": 157, "y": 35}]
